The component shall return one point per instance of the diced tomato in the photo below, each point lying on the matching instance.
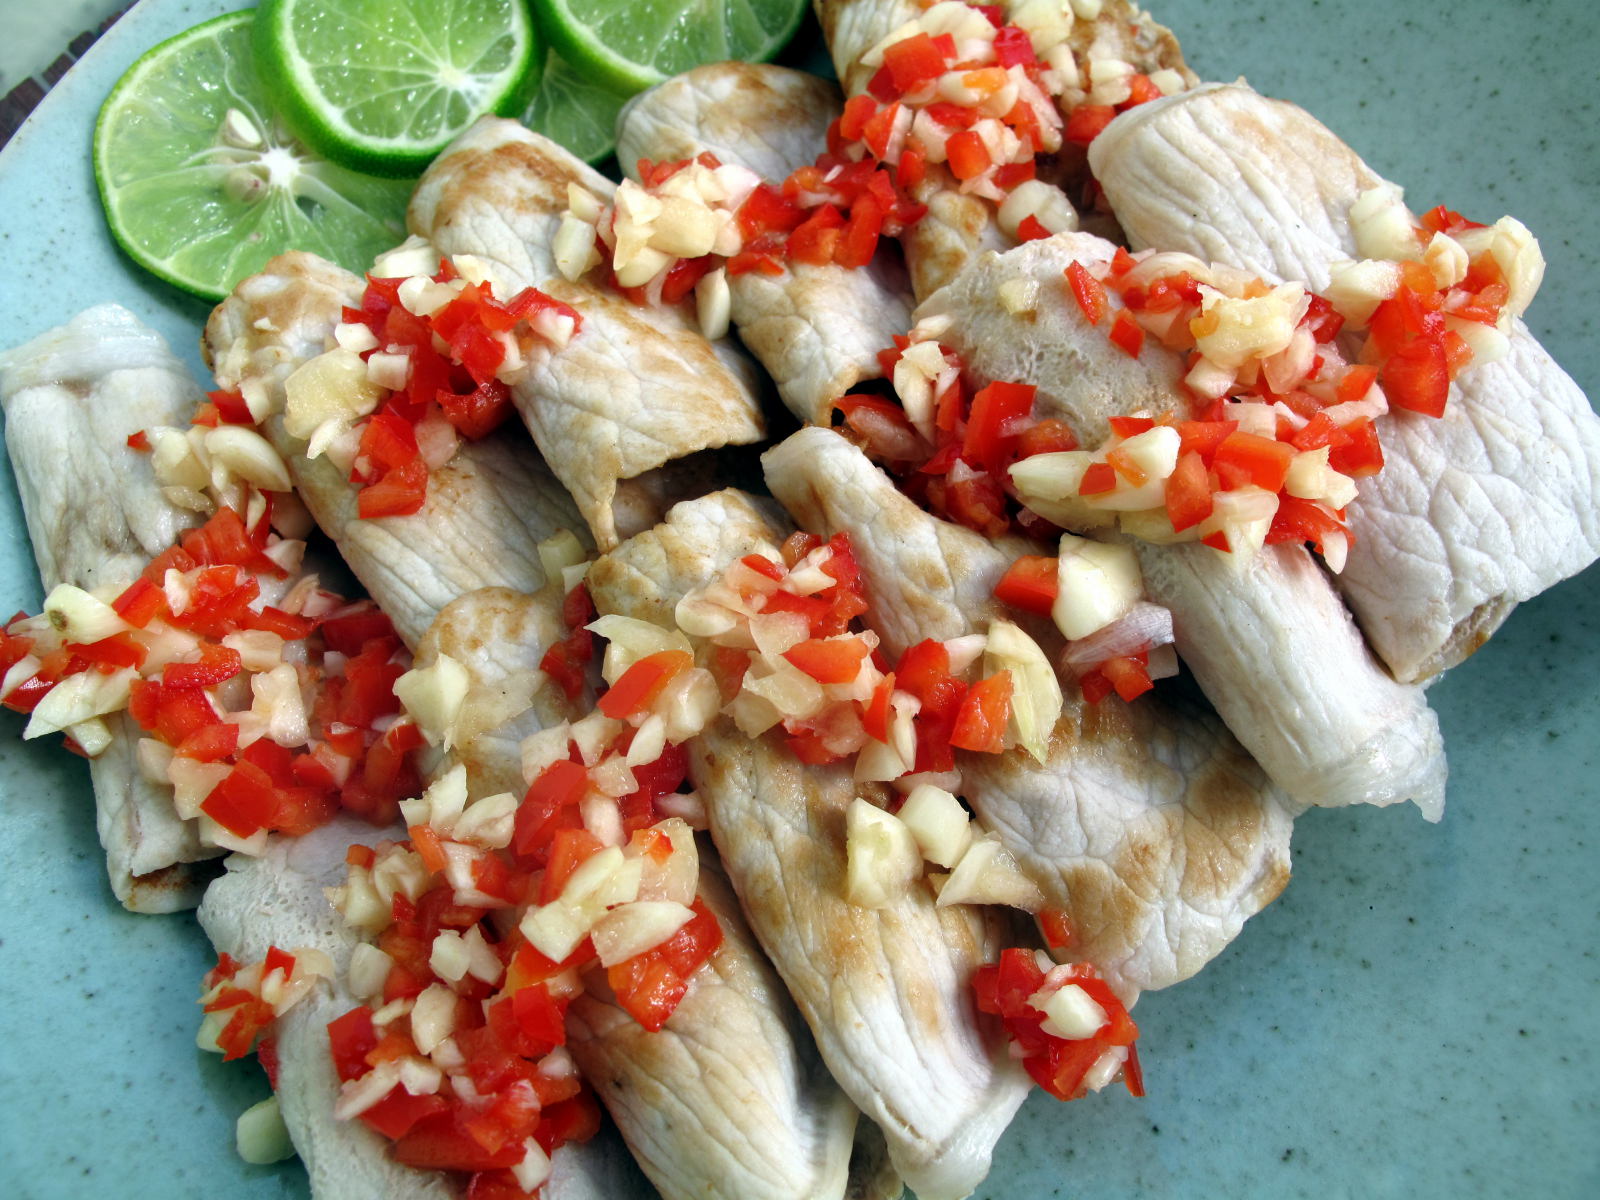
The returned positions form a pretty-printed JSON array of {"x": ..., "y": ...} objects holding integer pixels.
[
  {"x": 1300, "y": 520},
  {"x": 351, "y": 1038},
  {"x": 1030, "y": 584},
  {"x": 140, "y": 603},
  {"x": 551, "y": 800},
  {"x": 217, "y": 664},
  {"x": 981, "y": 724},
  {"x": 1140, "y": 91},
  {"x": 1360, "y": 454},
  {"x": 1046, "y": 437},
  {"x": 1029, "y": 229},
  {"x": 399, "y": 493},
  {"x": 569, "y": 850},
  {"x": 1057, "y": 928},
  {"x": 1089, "y": 292},
  {"x": 244, "y": 801}
]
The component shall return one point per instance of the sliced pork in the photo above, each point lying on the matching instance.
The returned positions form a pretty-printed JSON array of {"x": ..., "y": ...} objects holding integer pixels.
[
  {"x": 886, "y": 992},
  {"x": 637, "y": 388},
  {"x": 486, "y": 510},
  {"x": 729, "y": 1099},
  {"x": 1474, "y": 511},
  {"x": 96, "y": 517},
  {"x": 817, "y": 329},
  {"x": 1148, "y": 824},
  {"x": 1269, "y": 642}
]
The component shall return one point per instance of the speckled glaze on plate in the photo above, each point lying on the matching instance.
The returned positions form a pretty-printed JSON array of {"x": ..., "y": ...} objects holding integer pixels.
[{"x": 1418, "y": 1015}]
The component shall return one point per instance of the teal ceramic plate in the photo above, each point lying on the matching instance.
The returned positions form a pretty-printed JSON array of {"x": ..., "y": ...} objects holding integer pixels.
[{"x": 1416, "y": 1016}]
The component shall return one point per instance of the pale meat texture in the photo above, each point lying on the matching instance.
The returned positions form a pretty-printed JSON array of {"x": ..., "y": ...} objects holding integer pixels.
[
  {"x": 1147, "y": 825},
  {"x": 500, "y": 637},
  {"x": 729, "y": 1099},
  {"x": 816, "y": 329},
  {"x": 886, "y": 992},
  {"x": 1269, "y": 641},
  {"x": 960, "y": 226},
  {"x": 277, "y": 900},
  {"x": 637, "y": 389},
  {"x": 486, "y": 510},
  {"x": 1473, "y": 512},
  {"x": 96, "y": 517}
]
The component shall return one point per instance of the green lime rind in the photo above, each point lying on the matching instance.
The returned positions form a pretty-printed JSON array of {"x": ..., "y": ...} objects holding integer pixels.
[
  {"x": 628, "y": 47},
  {"x": 203, "y": 215},
  {"x": 573, "y": 111},
  {"x": 384, "y": 85}
]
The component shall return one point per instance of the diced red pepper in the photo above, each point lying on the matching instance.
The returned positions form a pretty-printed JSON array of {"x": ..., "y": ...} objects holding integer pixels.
[
  {"x": 912, "y": 62},
  {"x": 981, "y": 724},
  {"x": 994, "y": 409},
  {"x": 1086, "y": 122},
  {"x": 1248, "y": 458},
  {"x": 1188, "y": 492},
  {"x": 1416, "y": 376},
  {"x": 1031, "y": 584},
  {"x": 968, "y": 156},
  {"x": 1126, "y": 333},
  {"x": 1089, "y": 292},
  {"x": 1101, "y": 477},
  {"x": 829, "y": 660},
  {"x": 641, "y": 683}
]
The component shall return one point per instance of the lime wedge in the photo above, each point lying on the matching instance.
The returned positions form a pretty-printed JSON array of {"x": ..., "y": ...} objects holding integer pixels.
[
  {"x": 628, "y": 46},
  {"x": 202, "y": 185},
  {"x": 571, "y": 110},
  {"x": 382, "y": 86}
]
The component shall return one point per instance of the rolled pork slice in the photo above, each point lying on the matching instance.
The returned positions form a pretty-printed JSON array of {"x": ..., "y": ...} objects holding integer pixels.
[
  {"x": 637, "y": 388},
  {"x": 1148, "y": 824},
  {"x": 887, "y": 992},
  {"x": 729, "y": 1100},
  {"x": 96, "y": 517},
  {"x": 1474, "y": 511},
  {"x": 959, "y": 225},
  {"x": 1269, "y": 642},
  {"x": 817, "y": 329},
  {"x": 486, "y": 510},
  {"x": 276, "y": 899}
]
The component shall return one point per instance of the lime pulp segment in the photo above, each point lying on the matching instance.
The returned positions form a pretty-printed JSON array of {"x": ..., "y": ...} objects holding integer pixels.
[
  {"x": 384, "y": 85},
  {"x": 630, "y": 46},
  {"x": 201, "y": 185},
  {"x": 571, "y": 110}
]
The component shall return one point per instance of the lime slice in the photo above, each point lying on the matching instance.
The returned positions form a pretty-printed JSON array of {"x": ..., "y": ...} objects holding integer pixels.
[
  {"x": 628, "y": 46},
  {"x": 571, "y": 110},
  {"x": 382, "y": 86},
  {"x": 201, "y": 185}
]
